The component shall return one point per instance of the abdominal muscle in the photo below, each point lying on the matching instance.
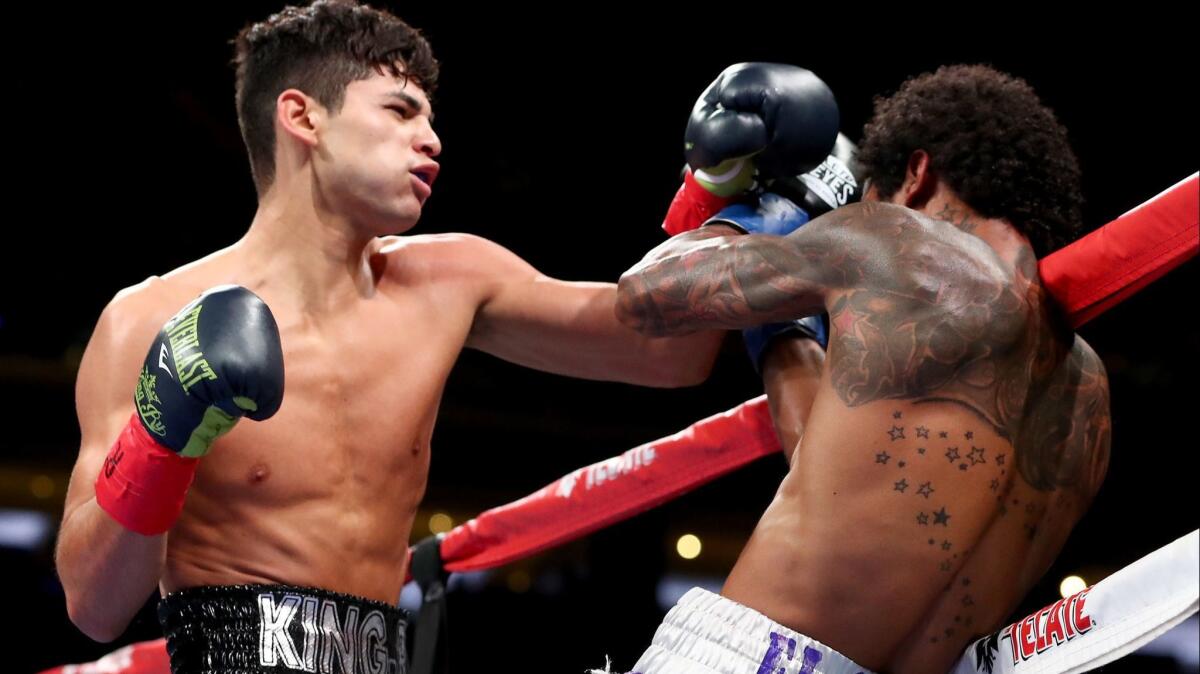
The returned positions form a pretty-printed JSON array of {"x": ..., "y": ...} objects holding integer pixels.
[{"x": 319, "y": 495}]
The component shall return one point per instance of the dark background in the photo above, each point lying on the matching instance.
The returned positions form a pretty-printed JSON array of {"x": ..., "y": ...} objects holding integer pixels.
[{"x": 128, "y": 163}]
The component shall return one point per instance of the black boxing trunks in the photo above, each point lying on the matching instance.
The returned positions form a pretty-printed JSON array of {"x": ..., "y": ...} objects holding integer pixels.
[{"x": 244, "y": 629}]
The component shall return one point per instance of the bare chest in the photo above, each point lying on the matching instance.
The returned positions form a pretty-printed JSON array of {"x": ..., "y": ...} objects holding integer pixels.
[{"x": 361, "y": 394}]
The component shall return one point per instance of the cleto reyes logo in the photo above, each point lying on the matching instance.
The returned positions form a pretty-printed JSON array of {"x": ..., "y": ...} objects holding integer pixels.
[
  {"x": 832, "y": 181},
  {"x": 1056, "y": 624}
]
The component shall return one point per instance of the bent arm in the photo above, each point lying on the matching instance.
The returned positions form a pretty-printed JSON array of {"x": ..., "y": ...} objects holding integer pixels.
[
  {"x": 715, "y": 277},
  {"x": 106, "y": 570}
]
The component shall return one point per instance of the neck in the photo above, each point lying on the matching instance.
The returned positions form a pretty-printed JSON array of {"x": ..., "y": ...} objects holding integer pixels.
[
  {"x": 306, "y": 254},
  {"x": 997, "y": 233}
]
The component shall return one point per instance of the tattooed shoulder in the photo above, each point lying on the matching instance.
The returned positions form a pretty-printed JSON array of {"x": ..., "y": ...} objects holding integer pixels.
[{"x": 936, "y": 325}]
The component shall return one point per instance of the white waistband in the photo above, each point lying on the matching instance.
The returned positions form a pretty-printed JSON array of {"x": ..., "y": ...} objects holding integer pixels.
[
  {"x": 1100, "y": 624},
  {"x": 706, "y": 633}
]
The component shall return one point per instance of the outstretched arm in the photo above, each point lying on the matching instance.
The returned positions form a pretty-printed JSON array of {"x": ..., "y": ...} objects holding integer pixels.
[{"x": 571, "y": 328}]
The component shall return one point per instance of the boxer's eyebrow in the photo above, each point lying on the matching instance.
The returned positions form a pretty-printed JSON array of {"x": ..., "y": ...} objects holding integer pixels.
[{"x": 411, "y": 101}]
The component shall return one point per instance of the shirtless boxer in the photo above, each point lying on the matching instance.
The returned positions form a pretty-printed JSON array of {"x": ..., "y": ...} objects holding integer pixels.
[
  {"x": 308, "y": 512},
  {"x": 959, "y": 430}
]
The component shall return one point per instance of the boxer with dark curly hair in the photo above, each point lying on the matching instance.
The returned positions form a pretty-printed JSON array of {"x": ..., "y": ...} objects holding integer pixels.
[{"x": 958, "y": 429}]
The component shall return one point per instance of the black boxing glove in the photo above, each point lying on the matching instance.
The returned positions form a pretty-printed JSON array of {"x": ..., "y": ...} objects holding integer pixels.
[
  {"x": 779, "y": 120},
  {"x": 837, "y": 181}
]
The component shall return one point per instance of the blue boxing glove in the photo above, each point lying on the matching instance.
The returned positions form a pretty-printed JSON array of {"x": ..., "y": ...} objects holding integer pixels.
[
  {"x": 777, "y": 215},
  {"x": 768, "y": 213},
  {"x": 790, "y": 204},
  {"x": 757, "y": 339}
]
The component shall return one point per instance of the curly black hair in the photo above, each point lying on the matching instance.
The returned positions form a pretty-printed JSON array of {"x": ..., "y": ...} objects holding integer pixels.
[
  {"x": 318, "y": 49},
  {"x": 989, "y": 139}
]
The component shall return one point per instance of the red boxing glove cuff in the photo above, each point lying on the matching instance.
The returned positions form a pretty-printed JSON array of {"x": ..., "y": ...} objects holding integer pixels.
[
  {"x": 691, "y": 207},
  {"x": 142, "y": 484}
]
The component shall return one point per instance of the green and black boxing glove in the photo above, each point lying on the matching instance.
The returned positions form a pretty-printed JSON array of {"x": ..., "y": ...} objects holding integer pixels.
[{"x": 216, "y": 360}]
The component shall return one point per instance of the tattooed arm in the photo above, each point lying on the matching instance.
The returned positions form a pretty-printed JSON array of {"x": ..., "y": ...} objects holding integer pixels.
[
  {"x": 1066, "y": 432},
  {"x": 715, "y": 278}
]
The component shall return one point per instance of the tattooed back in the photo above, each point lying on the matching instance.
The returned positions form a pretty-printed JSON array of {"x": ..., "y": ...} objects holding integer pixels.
[{"x": 959, "y": 432}]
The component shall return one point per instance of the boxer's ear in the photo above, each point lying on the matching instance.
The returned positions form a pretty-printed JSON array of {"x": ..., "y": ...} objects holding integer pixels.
[{"x": 920, "y": 182}]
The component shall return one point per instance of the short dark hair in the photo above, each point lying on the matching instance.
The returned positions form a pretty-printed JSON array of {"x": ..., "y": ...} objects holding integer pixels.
[
  {"x": 318, "y": 49},
  {"x": 989, "y": 139}
]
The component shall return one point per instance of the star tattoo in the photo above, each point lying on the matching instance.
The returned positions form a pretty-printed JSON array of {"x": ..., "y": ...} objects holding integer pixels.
[
  {"x": 882, "y": 457},
  {"x": 922, "y": 432},
  {"x": 920, "y": 450},
  {"x": 995, "y": 484},
  {"x": 897, "y": 433},
  {"x": 945, "y": 545},
  {"x": 941, "y": 517},
  {"x": 922, "y": 519},
  {"x": 900, "y": 486},
  {"x": 999, "y": 459},
  {"x": 976, "y": 455},
  {"x": 943, "y": 434},
  {"x": 970, "y": 435},
  {"x": 925, "y": 489},
  {"x": 896, "y": 415},
  {"x": 952, "y": 454}
]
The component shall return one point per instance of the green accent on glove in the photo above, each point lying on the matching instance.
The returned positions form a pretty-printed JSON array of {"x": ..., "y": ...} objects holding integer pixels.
[
  {"x": 729, "y": 178},
  {"x": 216, "y": 422},
  {"x": 145, "y": 398}
]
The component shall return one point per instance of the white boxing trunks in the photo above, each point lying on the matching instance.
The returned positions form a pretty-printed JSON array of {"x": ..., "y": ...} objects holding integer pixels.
[{"x": 705, "y": 633}]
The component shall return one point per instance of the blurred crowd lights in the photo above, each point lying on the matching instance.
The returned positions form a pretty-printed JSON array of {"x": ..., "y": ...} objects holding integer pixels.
[
  {"x": 42, "y": 486},
  {"x": 1071, "y": 585},
  {"x": 688, "y": 546},
  {"x": 440, "y": 523}
]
